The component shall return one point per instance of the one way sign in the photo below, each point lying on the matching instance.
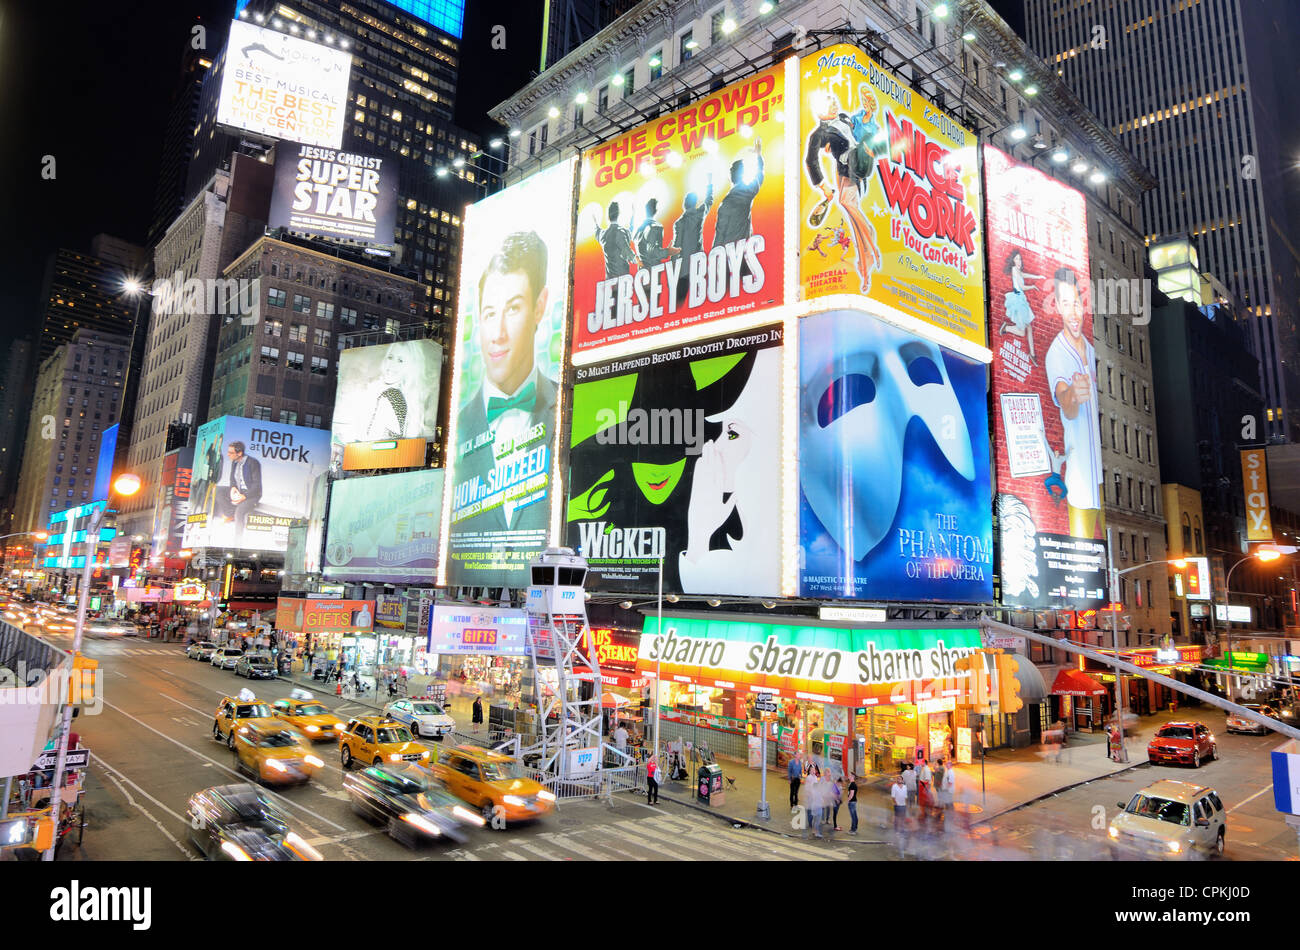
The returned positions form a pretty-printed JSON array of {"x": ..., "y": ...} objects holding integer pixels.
[{"x": 77, "y": 759}]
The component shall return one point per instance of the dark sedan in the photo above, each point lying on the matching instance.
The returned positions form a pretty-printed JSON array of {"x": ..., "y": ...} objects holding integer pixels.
[
  {"x": 255, "y": 666},
  {"x": 412, "y": 803},
  {"x": 239, "y": 823}
]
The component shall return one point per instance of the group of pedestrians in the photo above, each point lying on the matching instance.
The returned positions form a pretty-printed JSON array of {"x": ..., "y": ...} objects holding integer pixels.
[
  {"x": 824, "y": 793},
  {"x": 919, "y": 790}
]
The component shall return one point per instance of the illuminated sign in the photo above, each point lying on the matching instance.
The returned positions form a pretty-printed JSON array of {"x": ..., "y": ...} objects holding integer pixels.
[
  {"x": 1254, "y": 472},
  {"x": 190, "y": 590},
  {"x": 462, "y": 628},
  {"x": 1233, "y": 613},
  {"x": 324, "y": 616},
  {"x": 479, "y": 637},
  {"x": 395, "y": 453},
  {"x": 614, "y": 648}
]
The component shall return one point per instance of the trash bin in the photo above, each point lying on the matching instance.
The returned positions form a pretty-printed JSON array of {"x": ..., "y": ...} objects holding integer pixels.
[{"x": 708, "y": 785}]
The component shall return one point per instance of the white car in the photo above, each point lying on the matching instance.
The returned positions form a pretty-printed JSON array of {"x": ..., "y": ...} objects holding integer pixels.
[
  {"x": 226, "y": 657},
  {"x": 1169, "y": 820},
  {"x": 425, "y": 717},
  {"x": 107, "y": 628}
]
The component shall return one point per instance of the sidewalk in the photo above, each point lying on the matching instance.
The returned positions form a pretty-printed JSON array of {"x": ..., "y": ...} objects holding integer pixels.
[{"x": 1012, "y": 778}]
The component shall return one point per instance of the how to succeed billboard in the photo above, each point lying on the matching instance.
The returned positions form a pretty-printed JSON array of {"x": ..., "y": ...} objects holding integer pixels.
[
  {"x": 251, "y": 480},
  {"x": 681, "y": 221},
  {"x": 1047, "y": 430},
  {"x": 342, "y": 195},
  {"x": 677, "y": 454},
  {"x": 505, "y": 401}
]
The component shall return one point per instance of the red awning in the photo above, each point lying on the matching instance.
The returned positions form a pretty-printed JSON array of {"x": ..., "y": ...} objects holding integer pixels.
[
  {"x": 1076, "y": 683},
  {"x": 612, "y": 677}
]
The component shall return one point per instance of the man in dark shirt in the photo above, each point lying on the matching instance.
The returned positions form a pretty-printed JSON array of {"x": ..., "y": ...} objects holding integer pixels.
[
  {"x": 688, "y": 234},
  {"x": 616, "y": 243},
  {"x": 734, "y": 223}
]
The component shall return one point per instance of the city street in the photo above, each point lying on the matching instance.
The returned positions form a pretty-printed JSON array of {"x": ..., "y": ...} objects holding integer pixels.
[{"x": 152, "y": 749}]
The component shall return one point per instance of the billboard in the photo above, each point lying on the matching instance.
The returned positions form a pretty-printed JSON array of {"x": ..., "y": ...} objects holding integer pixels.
[
  {"x": 343, "y": 195},
  {"x": 677, "y": 454},
  {"x": 388, "y": 392},
  {"x": 104, "y": 467},
  {"x": 390, "y": 611},
  {"x": 1049, "y": 474},
  {"x": 391, "y": 453},
  {"x": 172, "y": 508},
  {"x": 895, "y": 491},
  {"x": 1254, "y": 475},
  {"x": 466, "y": 628},
  {"x": 385, "y": 528},
  {"x": 252, "y": 479},
  {"x": 505, "y": 398},
  {"x": 279, "y": 86},
  {"x": 889, "y": 205},
  {"x": 301, "y": 615},
  {"x": 681, "y": 221}
]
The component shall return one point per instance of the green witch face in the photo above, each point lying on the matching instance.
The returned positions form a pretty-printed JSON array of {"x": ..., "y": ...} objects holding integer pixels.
[{"x": 658, "y": 481}]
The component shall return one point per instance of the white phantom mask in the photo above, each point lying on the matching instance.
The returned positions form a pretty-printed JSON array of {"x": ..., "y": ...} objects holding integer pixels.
[{"x": 863, "y": 382}]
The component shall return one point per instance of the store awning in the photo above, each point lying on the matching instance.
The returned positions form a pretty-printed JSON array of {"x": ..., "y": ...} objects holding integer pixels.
[
  {"x": 1032, "y": 686},
  {"x": 1076, "y": 683},
  {"x": 613, "y": 700},
  {"x": 612, "y": 677},
  {"x": 1246, "y": 662}
]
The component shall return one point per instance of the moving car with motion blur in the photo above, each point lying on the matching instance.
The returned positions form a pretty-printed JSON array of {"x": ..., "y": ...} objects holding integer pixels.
[
  {"x": 239, "y": 823},
  {"x": 256, "y": 666},
  {"x": 1242, "y": 724},
  {"x": 1169, "y": 820},
  {"x": 306, "y": 715},
  {"x": 1186, "y": 742},
  {"x": 108, "y": 629},
  {"x": 423, "y": 716},
  {"x": 494, "y": 784},
  {"x": 412, "y": 803},
  {"x": 378, "y": 739},
  {"x": 201, "y": 650},
  {"x": 235, "y": 715},
  {"x": 276, "y": 755}
]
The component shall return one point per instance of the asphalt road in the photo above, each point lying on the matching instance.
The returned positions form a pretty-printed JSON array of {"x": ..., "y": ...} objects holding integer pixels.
[{"x": 152, "y": 749}]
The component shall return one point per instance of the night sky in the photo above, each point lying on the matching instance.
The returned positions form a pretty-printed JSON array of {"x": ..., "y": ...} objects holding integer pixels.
[{"x": 90, "y": 83}]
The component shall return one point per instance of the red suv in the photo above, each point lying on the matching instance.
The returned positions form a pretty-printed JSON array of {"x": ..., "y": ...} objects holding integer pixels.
[{"x": 1190, "y": 742}]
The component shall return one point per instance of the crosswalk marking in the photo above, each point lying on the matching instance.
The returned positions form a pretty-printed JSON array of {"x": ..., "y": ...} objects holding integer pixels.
[
  {"x": 538, "y": 852},
  {"x": 605, "y": 845},
  {"x": 747, "y": 850}
]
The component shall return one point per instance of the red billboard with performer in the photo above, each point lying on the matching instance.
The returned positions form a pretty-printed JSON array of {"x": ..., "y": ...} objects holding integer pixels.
[{"x": 1046, "y": 429}]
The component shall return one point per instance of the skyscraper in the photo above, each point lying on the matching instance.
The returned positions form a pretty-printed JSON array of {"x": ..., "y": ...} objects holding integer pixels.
[
  {"x": 86, "y": 291},
  {"x": 405, "y": 58},
  {"x": 1198, "y": 93}
]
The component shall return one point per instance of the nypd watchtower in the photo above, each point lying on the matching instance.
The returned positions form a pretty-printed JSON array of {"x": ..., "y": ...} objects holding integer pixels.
[{"x": 569, "y": 741}]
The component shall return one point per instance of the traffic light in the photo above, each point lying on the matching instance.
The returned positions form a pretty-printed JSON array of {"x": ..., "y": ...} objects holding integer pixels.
[
  {"x": 81, "y": 686},
  {"x": 1008, "y": 684},
  {"x": 975, "y": 670}
]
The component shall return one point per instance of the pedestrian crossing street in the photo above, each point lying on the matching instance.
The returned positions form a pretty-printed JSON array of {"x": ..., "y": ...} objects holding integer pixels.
[{"x": 675, "y": 837}]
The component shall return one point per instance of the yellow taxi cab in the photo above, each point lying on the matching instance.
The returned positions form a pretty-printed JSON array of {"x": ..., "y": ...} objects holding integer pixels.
[
  {"x": 374, "y": 740},
  {"x": 275, "y": 755},
  {"x": 493, "y": 783},
  {"x": 237, "y": 713},
  {"x": 309, "y": 717}
]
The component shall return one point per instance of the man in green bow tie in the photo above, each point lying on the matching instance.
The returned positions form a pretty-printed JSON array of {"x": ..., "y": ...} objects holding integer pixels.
[{"x": 515, "y": 396}]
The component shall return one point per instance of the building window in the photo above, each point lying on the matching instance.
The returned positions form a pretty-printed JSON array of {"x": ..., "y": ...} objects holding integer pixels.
[
  {"x": 270, "y": 356},
  {"x": 602, "y": 99},
  {"x": 321, "y": 337},
  {"x": 629, "y": 78},
  {"x": 685, "y": 46},
  {"x": 324, "y": 310},
  {"x": 1200, "y": 549},
  {"x": 715, "y": 26},
  {"x": 273, "y": 327},
  {"x": 392, "y": 326},
  {"x": 293, "y": 360},
  {"x": 656, "y": 70},
  {"x": 297, "y": 333},
  {"x": 288, "y": 418},
  {"x": 262, "y": 413},
  {"x": 348, "y": 316},
  {"x": 301, "y": 304},
  {"x": 320, "y": 366},
  {"x": 370, "y": 321},
  {"x": 312, "y": 420},
  {"x": 275, "y": 298},
  {"x": 1119, "y": 484}
]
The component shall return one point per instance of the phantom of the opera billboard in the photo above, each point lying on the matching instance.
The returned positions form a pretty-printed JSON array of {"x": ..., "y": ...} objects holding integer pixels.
[
  {"x": 251, "y": 480},
  {"x": 508, "y": 362},
  {"x": 680, "y": 223},
  {"x": 677, "y": 454},
  {"x": 893, "y": 463},
  {"x": 1047, "y": 430},
  {"x": 283, "y": 87},
  {"x": 889, "y": 205}
]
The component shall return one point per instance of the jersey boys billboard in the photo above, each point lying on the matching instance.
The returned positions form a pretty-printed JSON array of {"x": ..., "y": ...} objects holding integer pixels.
[
  {"x": 676, "y": 453},
  {"x": 893, "y": 464},
  {"x": 505, "y": 383},
  {"x": 889, "y": 205},
  {"x": 680, "y": 221},
  {"x": 252, "y": 479},
  {"x": 1049, "y": 475}
]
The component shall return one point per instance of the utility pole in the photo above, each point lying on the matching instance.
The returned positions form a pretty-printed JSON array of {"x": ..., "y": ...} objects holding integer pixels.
[{"x": 1113, "y": 577}]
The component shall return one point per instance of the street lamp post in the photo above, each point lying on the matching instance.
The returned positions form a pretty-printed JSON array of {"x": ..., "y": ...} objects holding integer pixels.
[
  {"x": 124, "y": 486},
  {"x": 1263, "y": 555}
]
